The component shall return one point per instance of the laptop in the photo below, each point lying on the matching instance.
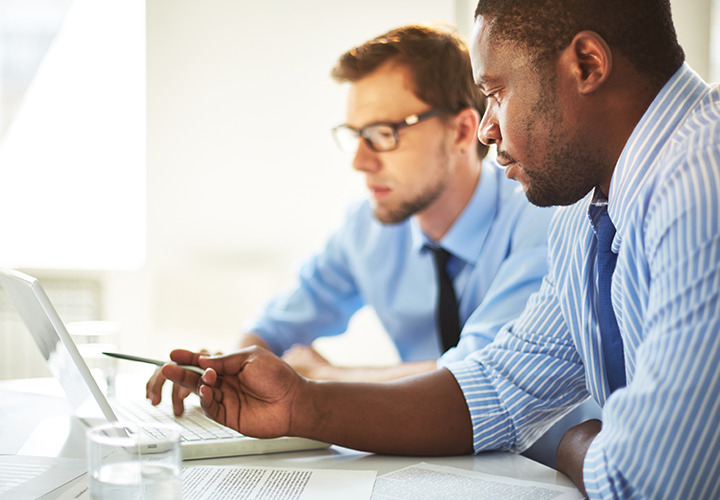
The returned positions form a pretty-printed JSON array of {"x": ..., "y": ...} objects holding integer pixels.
[{"x": 202, "y": 437}]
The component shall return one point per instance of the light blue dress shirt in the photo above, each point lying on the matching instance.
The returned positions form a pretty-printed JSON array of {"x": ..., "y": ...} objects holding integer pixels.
[
  {"x": 499, "y": 247},
  {"x": 661, "y": 433}
]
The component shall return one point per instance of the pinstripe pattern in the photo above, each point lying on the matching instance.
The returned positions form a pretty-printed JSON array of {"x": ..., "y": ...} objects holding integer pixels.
[{"x": 661, "y": 436}]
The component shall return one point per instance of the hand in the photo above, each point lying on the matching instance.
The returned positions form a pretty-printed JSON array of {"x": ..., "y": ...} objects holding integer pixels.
[
  {"x": 252, "y": 391},
  {"x": 572, "y": 449},
  {"x": 306, "y": 361},
  {"x": 153, "y": 390}
]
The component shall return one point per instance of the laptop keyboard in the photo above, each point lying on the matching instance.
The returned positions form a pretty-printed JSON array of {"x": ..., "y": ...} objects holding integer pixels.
[{"x": 194, "y": 424}]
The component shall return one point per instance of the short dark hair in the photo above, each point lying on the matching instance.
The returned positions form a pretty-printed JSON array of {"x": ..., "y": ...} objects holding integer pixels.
[
  {"x": 435, "y": 55},
  {"x": 641, "y": 30}
]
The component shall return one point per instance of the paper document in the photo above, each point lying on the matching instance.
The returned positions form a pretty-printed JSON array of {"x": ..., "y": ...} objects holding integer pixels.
[
  {"x": 219, "y": 482},
  {"x": 225, "y": 482},
  {"x": 26, "y": 477},
  {"x": 438, "y": 482}
]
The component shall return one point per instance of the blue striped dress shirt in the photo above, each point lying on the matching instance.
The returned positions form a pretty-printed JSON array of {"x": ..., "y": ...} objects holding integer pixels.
[{"x": 661, "y": 433}]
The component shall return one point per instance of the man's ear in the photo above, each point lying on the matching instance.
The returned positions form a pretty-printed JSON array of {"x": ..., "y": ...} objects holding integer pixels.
[
  {"x": 467, "y": 123},
  {"x": 590, "y": 60}
]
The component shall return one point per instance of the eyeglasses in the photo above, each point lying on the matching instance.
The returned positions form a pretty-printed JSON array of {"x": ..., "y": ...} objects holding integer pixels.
[{"x": 380, "y": 137}]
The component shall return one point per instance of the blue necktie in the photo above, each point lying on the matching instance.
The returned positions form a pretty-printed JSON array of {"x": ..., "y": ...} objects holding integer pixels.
[
  {"x": 612, "y": 343},
  {"x": 447, "y": 306}
]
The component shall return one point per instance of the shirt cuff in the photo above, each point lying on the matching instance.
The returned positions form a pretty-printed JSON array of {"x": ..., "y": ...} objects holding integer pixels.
[{"x": 492, "y": 426}]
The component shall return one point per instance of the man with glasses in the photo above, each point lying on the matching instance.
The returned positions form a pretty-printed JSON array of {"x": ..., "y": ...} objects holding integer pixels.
[{"x": 435, "y": 204}]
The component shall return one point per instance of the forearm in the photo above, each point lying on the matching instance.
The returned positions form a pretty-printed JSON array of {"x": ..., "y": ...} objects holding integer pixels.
[
  {"x": 372, "y": 373},
  {"x": 572, "y": 450},
  {"x": 251, "y": 339},
  {"x": 421, "y": 415}
]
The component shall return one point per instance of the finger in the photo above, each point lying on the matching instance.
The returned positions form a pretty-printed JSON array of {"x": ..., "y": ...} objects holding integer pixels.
[
  {"x": 229, "y": 364},
  {"x": 211, "y": 403},
  {"x": 206, "y": 352},
  {"x": 210, "y": 377},
  {"x": 187, "y": 379},
  {"x": 179, "y": 393},
  {"x": 185, "y": 357},
  {"x": 153, "y": 388}
]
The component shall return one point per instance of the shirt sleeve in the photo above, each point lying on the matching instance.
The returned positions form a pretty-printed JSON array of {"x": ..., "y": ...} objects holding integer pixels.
[
  {"x": 519, "y": 276},
  {"x": 660, "y": 437},
  {"x": 321, "y": 302},
  {"x": 518, "y": 385}
]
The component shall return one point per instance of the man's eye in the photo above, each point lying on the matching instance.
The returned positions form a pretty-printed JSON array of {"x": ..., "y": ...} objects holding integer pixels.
[{"x": 384, "y": 134}]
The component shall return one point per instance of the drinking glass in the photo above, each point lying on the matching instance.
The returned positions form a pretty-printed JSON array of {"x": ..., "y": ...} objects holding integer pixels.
[{"x": 134, "y": 461}]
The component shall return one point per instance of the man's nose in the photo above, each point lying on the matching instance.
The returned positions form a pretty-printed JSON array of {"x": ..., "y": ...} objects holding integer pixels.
[
  {"x": 489, "y": 128},
  {"x": 365, "y": 159}
]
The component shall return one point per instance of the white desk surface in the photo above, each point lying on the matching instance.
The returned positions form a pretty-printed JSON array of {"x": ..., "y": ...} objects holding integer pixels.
[{"x": 38, "y": 404}]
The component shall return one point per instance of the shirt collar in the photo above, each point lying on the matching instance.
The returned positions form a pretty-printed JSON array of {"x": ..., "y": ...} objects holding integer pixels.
[
  {"x": 649, "y": 138},
  {"x": 466, "y": 236}
]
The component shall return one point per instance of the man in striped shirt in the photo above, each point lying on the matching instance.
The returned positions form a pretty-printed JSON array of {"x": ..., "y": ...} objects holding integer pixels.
[{"x": 591, "y": 107}]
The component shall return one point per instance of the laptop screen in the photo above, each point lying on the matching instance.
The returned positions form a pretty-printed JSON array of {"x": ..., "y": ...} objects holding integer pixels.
[{"x": 62, "y": 356}]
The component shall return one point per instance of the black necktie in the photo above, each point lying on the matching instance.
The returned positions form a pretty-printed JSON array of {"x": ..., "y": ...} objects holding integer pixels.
[
  {"x": 447, "y": 307},
  {"x": 612, "y": 343}
]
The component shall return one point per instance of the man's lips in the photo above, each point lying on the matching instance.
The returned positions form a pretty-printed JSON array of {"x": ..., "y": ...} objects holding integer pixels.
[
  {"x": 504, "y": 163},
  {"x": 378, "y": 191},
  {"x": 509, "y": 168},
  {"x": 507, "y": 163},
  {"x": 504, "y": 160}
]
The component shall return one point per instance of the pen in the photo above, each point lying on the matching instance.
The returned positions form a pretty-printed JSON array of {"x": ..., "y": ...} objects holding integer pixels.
[{"x": 151, "y": 361}]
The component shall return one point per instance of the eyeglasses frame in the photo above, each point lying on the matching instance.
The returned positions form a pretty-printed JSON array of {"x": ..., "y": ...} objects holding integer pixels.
[{"x": 408, "y": 121}]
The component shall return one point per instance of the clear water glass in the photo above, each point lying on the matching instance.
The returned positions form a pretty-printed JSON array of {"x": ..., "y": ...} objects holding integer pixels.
[{"x": 134, "y": 461}]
